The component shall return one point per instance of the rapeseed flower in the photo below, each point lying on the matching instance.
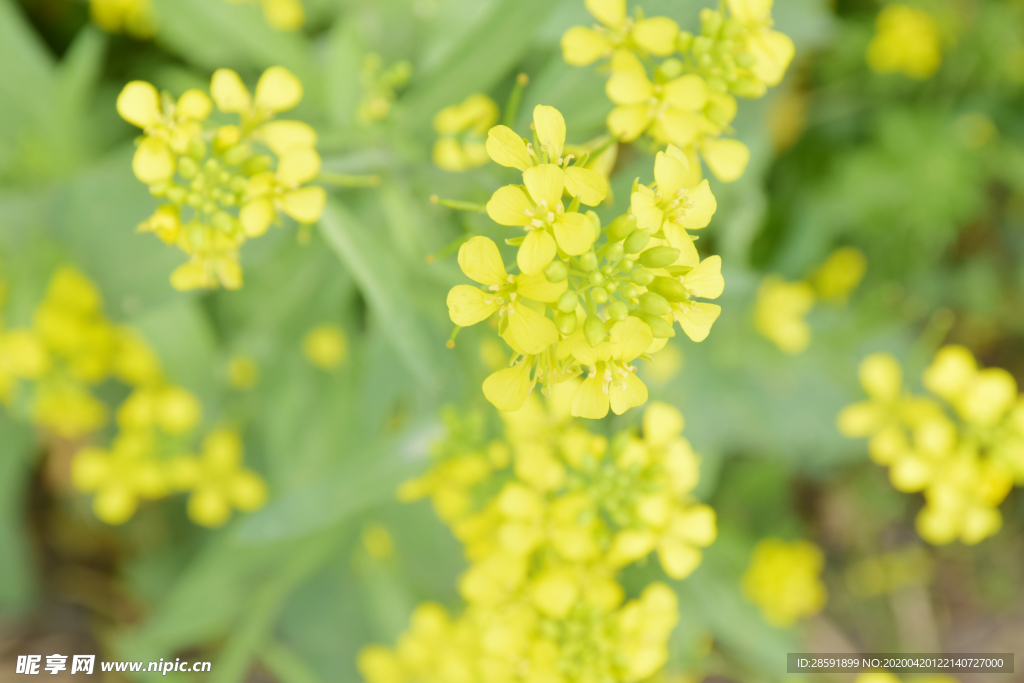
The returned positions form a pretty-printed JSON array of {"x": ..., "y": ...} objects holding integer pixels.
[
  {"x": 121, "y": 476},
  {"x": 617, "y": 31},
  {"x": 325, "y": 346},
  {"x": 784, "y": 580},
  {"x": 463, "y": 129},
  {"x": 839, "y": 275},
  {"x": 134, "y": 17},
  {"x": 906, "y": 41},
  {"x": 779, "y": 313}
]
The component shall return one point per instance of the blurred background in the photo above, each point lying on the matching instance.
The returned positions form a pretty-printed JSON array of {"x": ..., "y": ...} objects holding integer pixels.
[{"x": 331, "y": 361}]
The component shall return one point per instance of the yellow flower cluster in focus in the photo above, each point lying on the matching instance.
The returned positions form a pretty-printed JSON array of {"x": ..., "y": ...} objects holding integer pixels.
[
  {"x": 784, "y": 580},
  {"x": 686, "y": 99},
  {"x": 781, "y": 308},
  {"x": 548, "y": 516},
  {"x": 134, "y": 17},
  {"x": 964, "y": 460},
  {"x": 70, "y": 350},
  {"x": 906, "y": 41},
  {"x": 284, "y": 15},
  {"x": 578, "y": 306},
  {"x": 222, "y": 185},
  {"x": 463, "y": 129}
]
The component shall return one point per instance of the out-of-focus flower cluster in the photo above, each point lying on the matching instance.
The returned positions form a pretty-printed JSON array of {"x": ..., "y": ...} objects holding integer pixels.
[
  {"x": 679, "y": 88},
  {"x": 782, "y": 307},
  {"x": 548, "y": 516},
  {"x": 784, "y": 580},
  {"x": 906, "y": 41},
  {"x": 284, "y": 15},
  {"x": 222, "y": 184},
  {"x": 588, "y": 298},
  {"x": 964, "y": 453},
  {"x": 50, "y": 373},
  {"x": 136, "y": 17}
]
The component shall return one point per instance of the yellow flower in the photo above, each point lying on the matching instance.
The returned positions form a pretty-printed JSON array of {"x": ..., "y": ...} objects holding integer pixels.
[
  {"x": 217, "y": 480},
  {"x": 325, "y": 346},
  {"x": 119, "y": 477},
  {"x": 22, "y": 356},
  {"x": 839, "y": 274},
  {"x": 134, "y": 17},
  {"x": 783, "y": 580},
  {"x": 779, "y": 313},
  {"x": 906, "y": 41},
  {"x": 173, "y": 409},
  {"x": 617, "y": 31},
  {"x": 611, "y": 380},
  {"x": 668, "y": 110},
  {"x": 981, "y": 397},
  {"x": 770, "y": 50},
  {"x": 284, "y": 15},
  {"x": 463, "y": 130}
]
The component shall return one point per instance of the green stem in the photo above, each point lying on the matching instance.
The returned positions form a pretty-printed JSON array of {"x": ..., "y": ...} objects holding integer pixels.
[
  {"x": 516, "y": 96},
  {"x": 458, "y": 204}
]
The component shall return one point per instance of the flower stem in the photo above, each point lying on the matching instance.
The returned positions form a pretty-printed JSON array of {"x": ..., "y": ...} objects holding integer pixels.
[
  {"x": 516, "y": 96},
  {"x": 458, "y": 204}
]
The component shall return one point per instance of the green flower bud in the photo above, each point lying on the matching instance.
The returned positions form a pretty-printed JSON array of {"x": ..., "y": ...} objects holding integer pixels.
[
  {"x": 596, "y": 278},
  {"x": 670, "y": 68},
  {"x": 236, "y": 155},
  {"x": 659, "y": 257},
  {"x": 177, "y": 194},
  {"x": 256, "y": 164},
  {"x": 567, "y": 302},
  {"x": 588, "y": 261},
  {"x": 628, "y": 290},
  {"x": 194, "y": 199},
  {"x": 642, "y": 277},
  {"x": 599, "y": 295},
  {"x": 196, "y": 149},
  {"x": 745, "y": 60},
  {"x": 556, "y": 271},
  {"x": 614, "y": 253},
  {"x": 237, "y": 184},
  {"x": 748, "y": 87},
  {"x": 594, "y": 330},
  {"x": 222, "y": 221},
  {"x": 684, "y": 42},
  {"x": 636, "y": 242},
  {"x": 671, "y": 289},
  {"x": 711, "y": 22},
  {"x": 626, "y": 265},
  {"x": 660, "y": 328},
  {"x": 611, "y": 287},
  {"x": 654, "y": 304},
  {"x": 617, "y": 310},
  {"x": 621, "y": 227},
  {"x": 565, "y": 322},
  {"x": 187, "y": 167},
  {"x": 160, "y": 188}
]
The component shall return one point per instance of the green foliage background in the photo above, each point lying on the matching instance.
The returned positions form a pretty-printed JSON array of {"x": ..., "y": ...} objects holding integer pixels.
[{"x": 881, "y": 165}]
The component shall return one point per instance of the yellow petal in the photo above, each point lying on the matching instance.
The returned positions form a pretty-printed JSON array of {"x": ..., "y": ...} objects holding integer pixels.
[
  {"x": 679, "y": 239},
  {"x": 281, "y": 136},
  {"x": 627, "y": 392},
  {"x": 306, "y": 205},
  {"x": 256, "y": 217},
  {"x": 468, "y": 305},
  {"x": 950, "y": 372},
  {"x": 278, "y": 90},
  {"x": 670, "y": 173},
  {"x": 574, "y": 233},
  {"x": 537, "y": 287},
  {"x": 628, "y": 122},
  {"x": 284, "y": 15},
  {"x": 194, "y": 105},
  {"x": 989, "y": 397},
  {"x": 153, "y": 161},
  {"x": 656, "y": 35},
  {"x": 677, "y": 558},
  {"x": 630, "y": 338},
  {"x": 773, "y": 52},
  {"x": 630, "y": 85},
  {"x": 679, "y": 126},
  {"x": 481, "y": 261},
  {"x": 508, "y": 149},
  {"x": 448, "y": 155},
  {"x": 299, "y": 165},
  {"x": 530, "y": 331},
  {"x": 696, "y": 320},
  {"x": 702, "y": 209},
  {"x": 545, "y": 184},
  {"x": 509, "y": 205},
  {"x": 139, "y": 104},
  {"x": 706, "y": 281},
  {"x": 550, "y": 127},
  {"x": 644, "y": 205},
  {"x": 590, "y": 186},
  {"x": 582, "y": 46},
  {"x": 189, "y": 276},
  {"x": 508, "y": 389},
  {"x": 689, "y": 92},
  {"x": 611, "y": 13},
  {"x": 229, "y": 93},
  {"x": 860, "y": 419},
  {"x": 881, "y": 376},
  {"x": 726, "y": 158},
  {"x": 751, "y": 11},
  {"x": 589, "y": 399},
  {"x": 536, "y": 252}
]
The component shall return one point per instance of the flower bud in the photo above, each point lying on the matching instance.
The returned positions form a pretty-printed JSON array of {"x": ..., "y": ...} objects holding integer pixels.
[
  {"x": 684, "y": 41},
  {"x": 614, "y": 253},
  {"x": 588, "y": 261},
  {"x": 748, "y": 87},
  {"x": 599, "y": 295},
  {"x": 621, "y": 227},
  {"x": 636, "y": 242},
  {"x": 670, "y": 288},
  {"x": 711, "y": 22},
  {"x": 567, "y": 302},
  {"x": 594, "y": 330},
  {"x": 565, "y": 322},
  {"x": 618, "y": 310},
  {"x": 187, "y": 167},
  {"x": 654, "y": 304},
  {"x": 556, "y": 271},
  {"x": 596, "y": 278},
  {"x": 660, "y": 328},
  {"x": 659, "y": 257},
  {"x": 642, "y": 277},
  {"x": 670, "y": 68}
]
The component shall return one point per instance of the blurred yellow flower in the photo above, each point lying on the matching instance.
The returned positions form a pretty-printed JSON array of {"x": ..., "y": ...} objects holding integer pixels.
[
  {"x": 582, "y": 45},
  {"x": 906, "y": 41},
  {"x": 284, "y": 15},
  {"x": 779, "y": 313},
  {"x": 120, "y": 477},
  {"x": 784, "y": 580},
  {"x": 325, "y": 346},
  {"x": 463, "y": 130},
  {"x": 134, "y": 17},
  {"x": 839, "y": 275},
  {"x": 243, "y": 372}
]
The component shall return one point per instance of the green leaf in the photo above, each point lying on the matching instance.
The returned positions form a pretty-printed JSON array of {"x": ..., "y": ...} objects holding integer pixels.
[
  {"x": 285, "y": 665},
  {"x": 368, "y": 259},
  {"x": 16, "y": 581}
]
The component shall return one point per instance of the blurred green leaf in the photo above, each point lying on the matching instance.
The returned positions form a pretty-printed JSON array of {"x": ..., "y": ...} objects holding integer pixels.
[{"x": 16, "y": 581}]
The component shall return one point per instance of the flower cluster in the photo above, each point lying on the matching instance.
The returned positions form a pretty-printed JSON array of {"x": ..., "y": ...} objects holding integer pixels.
[
  {"x": 463, "y": 129},
  {"x": 577, "y": 305},
  {"x": 70, "y": 350},
  {"x": 784, "y": 580},
  {"x": 134, "y": 17},
  {"x": 964, "y": 460},
  {"x": 548, "y": 516},
  {"x": 284, "y": 15},
  {"x": 222, "y": 185},
  {"x": 688, "y": 98},
  {"x": 781, "y": 307},
  {"x": 906, "y": 41}
]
